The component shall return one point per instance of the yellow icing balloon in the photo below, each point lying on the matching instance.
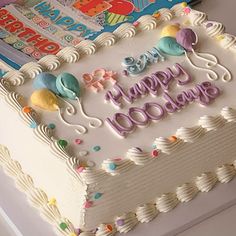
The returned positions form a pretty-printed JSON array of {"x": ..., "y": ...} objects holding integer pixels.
[
  {"x": 45, "y": 99},
  {"x": 170, "y": 30}
]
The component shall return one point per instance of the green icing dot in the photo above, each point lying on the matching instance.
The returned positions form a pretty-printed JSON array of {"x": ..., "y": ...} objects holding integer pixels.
[
  {"x": 51, "y": 126},
  {"x": 62, "y": 143},
  {"x": 63, "y": 226},
  {"x": 112, "y": 166},
  {"x": 96, "y": 148},
  {"x": 97, "y": 195}
]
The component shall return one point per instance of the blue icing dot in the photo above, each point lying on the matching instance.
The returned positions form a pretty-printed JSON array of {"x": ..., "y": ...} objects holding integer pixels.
[
  {"x": 97, "y": 195},
  {"x": 51, "y": 126},
  {"x": 112, "y": 166},
  {"x": 169, "y": 46},
  {"x": 96, "y": 148},
  {"x": 68, "y": 86},
  {"x": 46, "y": 80},
  {"x": 33, "y": 125}
]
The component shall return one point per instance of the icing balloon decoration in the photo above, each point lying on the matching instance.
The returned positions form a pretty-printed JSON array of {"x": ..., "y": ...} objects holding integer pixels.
[
  {"x": 134, "y": 67},
  {"x": 176, "y": 42}
]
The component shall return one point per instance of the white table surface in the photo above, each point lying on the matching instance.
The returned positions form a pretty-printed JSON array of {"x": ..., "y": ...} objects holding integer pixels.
[{"x": 211, "y": 214}]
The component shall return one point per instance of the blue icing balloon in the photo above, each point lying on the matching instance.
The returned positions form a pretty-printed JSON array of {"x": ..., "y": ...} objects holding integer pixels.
[
  {"x": 68, "y": 86},
  {"x": 169, "y": 46},
  {"x": 46, "y": 80}
]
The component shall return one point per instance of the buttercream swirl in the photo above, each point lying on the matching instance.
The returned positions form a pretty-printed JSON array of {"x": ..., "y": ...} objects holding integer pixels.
[
  {"x": 86, "y": 47},
  {"x": 43, "y": 133},
  {"x": 178, "y": 10},
  {"x": 206, "y": 181},
  {"x": 147, "y": 22},
  {"x": 13, "y": 168},
  {"x": 31, "y": 69},
  {"x": 225, "y": 173},
  {"x": 15, "y": 100},
  {"x": 72, "y": 164},
  {"x": 24, "y": 182},
  {"x": 167, "y": 202},
  {"x": 229, "y": 114},
  {"x": 227, "y": 41},
  {"x": 186, "y": 192},
  {"x": 4, "y": 86},
  {"x": 30, "y": 118},
  {"x": 15, "y": 77},
  {"x": 138, "y": 156},
  {"x": 116, "y": 166},
  {"x": 211, "y": 122},
  {"x": 146, "y": 213},
  {"x": 103, "y": 231},
  {"x": 58, "y": 150},
  {"x": 105, "y": 39},
  {"x": 197, "y": 18},
  {"x": 51, "y": 213},
  {"x": 167, "y": 146},
  {"x": 49, "y": 62},
  {"x": 38, "y": 197},
  {"x": 165, "y": 14},
  {"x": 91, "y": 175},
  {"x": 190, "y": 134},
  {"x": 69, "y": 55},
  {"x": 129, "y": 222},
  {"x": 4, "y": 155},
  {"x": 125, "y": 30},
  {"x": 213, "y": 28}
]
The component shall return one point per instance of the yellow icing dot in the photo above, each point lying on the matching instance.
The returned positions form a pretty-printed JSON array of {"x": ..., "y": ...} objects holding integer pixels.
[
  {"x": 170, "y": 30},
  {"x": 184, "y": 4},
  {"x": 220, "y": 37},
  {"x": 73, "y": 234},
  {"x": 45, "y": 99},
  {"x": 52, "y": 202}
]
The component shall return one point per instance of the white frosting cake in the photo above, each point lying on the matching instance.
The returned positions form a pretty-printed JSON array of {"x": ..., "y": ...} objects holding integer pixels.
[{"x": 151, "y": 124}]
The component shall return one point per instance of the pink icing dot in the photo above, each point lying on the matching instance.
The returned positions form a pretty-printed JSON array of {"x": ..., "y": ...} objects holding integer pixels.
[
  {"x": 78, "y": 141},
  {"x": 80, "y": 169},
  {"x": 187, "y": 10},
  {"x": 118, "y": 159},
  {"x": 88, "y": 204},
  {"x": 136, "y": 23}
]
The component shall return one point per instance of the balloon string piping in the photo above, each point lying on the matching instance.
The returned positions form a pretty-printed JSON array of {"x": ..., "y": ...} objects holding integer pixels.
[
  {"x": 95, "y": 122},
  {"x": 70, "y": 109}
]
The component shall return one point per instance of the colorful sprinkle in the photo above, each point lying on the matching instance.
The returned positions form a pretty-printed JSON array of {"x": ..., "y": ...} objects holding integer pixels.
[
  {"x": 97, "y": 196},
  {"x": 220, "y": 37},
  {"x": 173, "y": 138},
  {"x": 80, "y": 169},
  {"x": 187, "y": 10},
  {"x": 154, "y": 146},
  {"x": 78, "y": 231},
  {"x": 63, "y": 226},
  {"x": 26, "y": 109},
  {"x": 109, "y": 228},
  {"x": 155, "y": 153},
  {"x": 62, "y": 143},
  {"x": 184, "y": 4},
  {"x": 33, "y": 125},
  {"x": 209, "y": 25},
  {"x": 73, "y": 234},
  {"x": 96, "y": 148},
  {"x": 51, "y": 126},
  {"x": 136, "y": 23},
  {"x": 52, "y": 202},
  {"x": 112, "y": 166},
  {"x": 88, "y": 204},
  {"x": 157, "y": 15},
  {"x": 120, "y": 222},
  {"x": 78, "y": 141}
]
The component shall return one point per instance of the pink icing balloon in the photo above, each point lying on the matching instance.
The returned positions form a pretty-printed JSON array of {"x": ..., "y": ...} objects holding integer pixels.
[{"x": 186, "y": 38}]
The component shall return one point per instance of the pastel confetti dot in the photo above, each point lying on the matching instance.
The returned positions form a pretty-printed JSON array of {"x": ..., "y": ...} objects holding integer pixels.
[
  {"x": 187, "y": 10},
  {"x": 109, "y": 228},
  {"x": 157, "y": 15},
  {"x": 33, "y": 125},
  {"x": 78, "y": 231},
  {"x": 80, "y": 169},
  {"x": 155, "y": 153},
  {"x": 62, "y": 143},
  {"x": 51, "y": 126},
  {"x": 154, "y": 146},
  {"x": 83, "y": 153},
  {"x": 63, "y": 226},
  {"x": 88, "y": 204},
  {"x": 209, "y": 25},
  {"x": 184, "y": 4},
  {"x": 136, "y": 23},
  {"x": 52, "y": 202},
  {"x": 26, "y": 109},
  {"x": 118, "y": 159},
  {"x": 112, "y": 166},
  {"x": 78, "y": 141},
  {"x": 120, "y": 222},
  {"x": 173, "y": 138},
  {"x": 97, "y": 196},
  {"x": 73, "y": 234},
  {"x": 96, "y": 148}
]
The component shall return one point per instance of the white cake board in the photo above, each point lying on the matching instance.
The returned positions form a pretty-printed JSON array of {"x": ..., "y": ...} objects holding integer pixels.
[{"x": 27, "y": 221}]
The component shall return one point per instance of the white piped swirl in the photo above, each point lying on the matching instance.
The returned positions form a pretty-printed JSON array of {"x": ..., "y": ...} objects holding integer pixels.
[
  {"x": 138, "y": 156},
  {"x": 69, "y": 55},
  {"x": 59, "y": 151},
  {"x": 126, "y": 30},
  {"x": 186, "y": 192},
  {"x": 43, "y": 133},
  {"x": 29, "y": 118},
  {"x": 146, "y": 213},
  {"x": 211, "y": 122},
  {"x": 229, "y": 114},
  {"x": 15, "y": 100},
  {"x": 91, "y": 176},
  {"x": 105, "y": 39},
  {"x": 129, "y": 222},
  {"x": 86, "y": 47},
  {"x": 213, "y": 28},
  {"x": 167, "y": 202},
  {"x": 31, "y": 69},
  {"x": 190, "y": 134},
  {"x": 197, "y": 18},
  {"x": 225, "y": 173},
  {"x": 178, "y": 10},
  {"x": 5, "y": 86},
  {"x": 50, "y": 63},
  {"x": 227, "y": 41},
  {"x": 147, "y": 22},
  {"x": 206, "y": 181},
  {"x": 165, "y": 14},
  {"x": 16, "y": 78},
  {"x": 103, "y": 231}
]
